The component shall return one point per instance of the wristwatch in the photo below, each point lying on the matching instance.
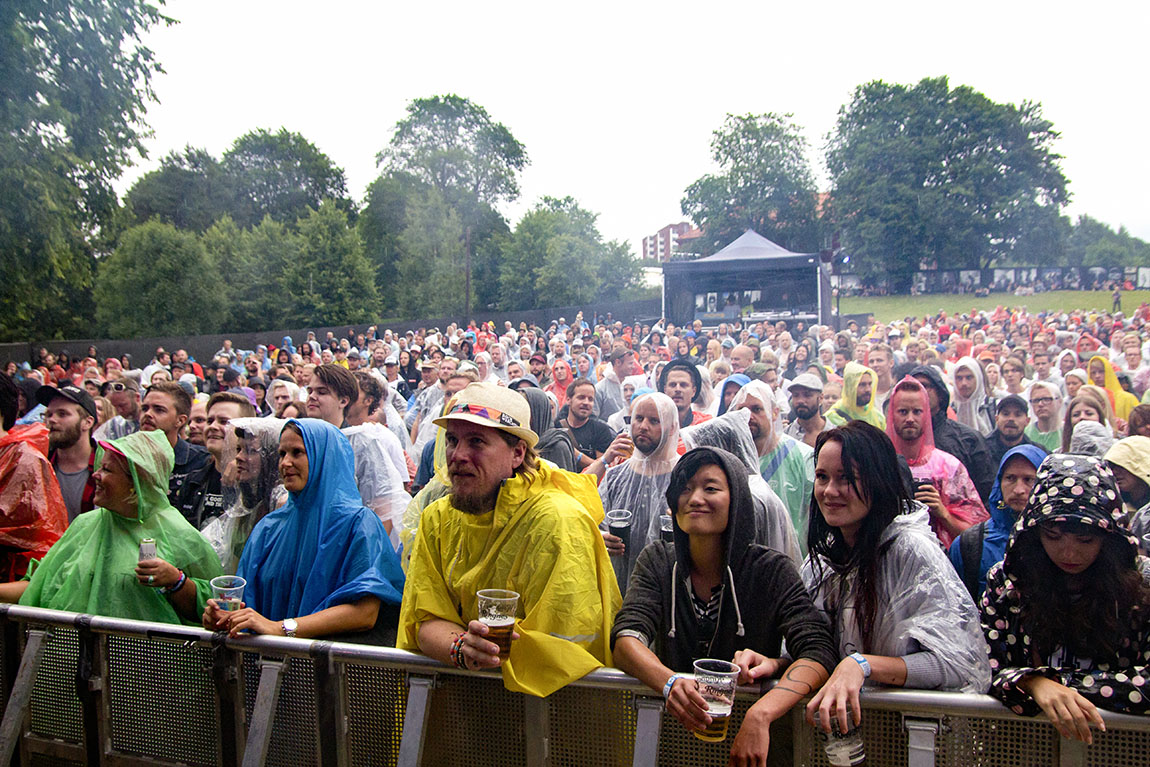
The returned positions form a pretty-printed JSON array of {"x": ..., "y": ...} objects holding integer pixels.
[{"x": 289, "y": 626}]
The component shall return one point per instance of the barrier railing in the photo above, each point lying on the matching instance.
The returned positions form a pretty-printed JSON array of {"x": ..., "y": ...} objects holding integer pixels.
[{"x": 85, "y": 689}]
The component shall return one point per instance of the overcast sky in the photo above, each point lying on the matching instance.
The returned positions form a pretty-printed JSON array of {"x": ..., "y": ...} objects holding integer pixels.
[{"x": 616, "y": 102}]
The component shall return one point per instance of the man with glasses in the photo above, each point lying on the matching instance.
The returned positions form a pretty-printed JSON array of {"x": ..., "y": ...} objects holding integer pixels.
[
  {"x": 1046, "y": 428},
  {"x": 124, "y": 394}
]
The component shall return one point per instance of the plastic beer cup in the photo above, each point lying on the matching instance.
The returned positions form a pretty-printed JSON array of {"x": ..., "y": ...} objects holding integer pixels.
[
  {"x": 619, "y": 525},
  {"x": 228, "y": 591},
  {"x": 717, "y": 680},
  {"x": 497, "y": 613},
  {"x": 667, "y": 528}
]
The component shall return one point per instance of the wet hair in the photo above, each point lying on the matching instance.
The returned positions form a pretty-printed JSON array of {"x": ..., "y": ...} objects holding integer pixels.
[
  {"x": 1092, "y": 622},
  {"x": 571, "y": 387},
  {"x": 340, "y": 380},
  {"x": 871, "y": 466},
  {"x": 180, "y": 398}
]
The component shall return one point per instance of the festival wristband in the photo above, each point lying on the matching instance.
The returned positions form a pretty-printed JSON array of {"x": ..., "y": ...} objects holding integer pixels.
[
  {"x": 179, "y": 584},
  {"x": 858, "y": 658},
  {"x": 671, "y": 683}
]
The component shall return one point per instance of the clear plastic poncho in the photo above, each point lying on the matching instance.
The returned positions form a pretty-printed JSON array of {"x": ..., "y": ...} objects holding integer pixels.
[
  {"x": 257, "y": 490},
  {"x": 1091, "y": 438},
  {"x": 732, "y": 432},
  {"x": 640, "y": 483},
  {"x": 922, "y": 605},
  {"x": 380, "y": 486},
  {"x": 972, "y": 410}
]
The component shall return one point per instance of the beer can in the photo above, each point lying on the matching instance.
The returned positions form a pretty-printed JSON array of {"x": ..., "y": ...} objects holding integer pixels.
[{"x": 147, "y": 549}]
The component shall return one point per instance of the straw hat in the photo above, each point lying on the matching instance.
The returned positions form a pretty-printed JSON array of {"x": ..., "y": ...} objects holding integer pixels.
[{"x": 500, "y": 408}]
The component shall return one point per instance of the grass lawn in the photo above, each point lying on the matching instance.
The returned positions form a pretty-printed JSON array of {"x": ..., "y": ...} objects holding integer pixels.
[{"x": 888, "y": 308}]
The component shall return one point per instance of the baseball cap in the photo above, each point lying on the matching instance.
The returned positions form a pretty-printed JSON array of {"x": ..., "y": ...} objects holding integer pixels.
[
  {"x": 498, "y": 407},
  {"x": 728, "y": 343},
  {"x": 539, "y": 357},
  {"x": 526, "y": 379},
  {"x": 45, "y": 394},
  {"x": 391, "y": 360},
  {"x": 1012, "y": 400},
  {"x": 427, "y": 363},
  {"x": 807, "y": 381}
]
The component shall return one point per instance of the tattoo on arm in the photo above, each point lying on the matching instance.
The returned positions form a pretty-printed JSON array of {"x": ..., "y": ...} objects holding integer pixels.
[{"x": 801, "y": 679}]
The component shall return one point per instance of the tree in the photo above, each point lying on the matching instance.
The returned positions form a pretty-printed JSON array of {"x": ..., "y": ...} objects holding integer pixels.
[
  {"x": 1093, "y": 243},
  {"x": 190, "y": 190},
  {"x": 557, "y": 257},
  {"x": 282, "y": 175},
  {"x": 157, "y": 282},
  {"x": 451, "y": 143},
  {"x": 431, "y": 269},
  {"x": 330, "y": 282},
  {"x": 74, "y": 79},
  {"x": 765, "y": 184},
  {"x": 925, "y": 173}
]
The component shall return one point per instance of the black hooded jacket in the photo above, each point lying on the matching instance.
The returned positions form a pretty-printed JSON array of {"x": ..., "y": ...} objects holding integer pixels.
[
  {"x": 763, "y": 600},
  {"x": 961, "y": 441}
]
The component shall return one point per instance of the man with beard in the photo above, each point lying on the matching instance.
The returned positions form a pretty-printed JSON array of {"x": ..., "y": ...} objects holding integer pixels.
[
  {"x": 510, "y": 520},
  {"x": 940, "y": 480},
  {"x": 961, "y": 441},
  {"x": 1010, "y": 419},
  {"x": 167, "y": 407},
  {"x": 201, "y": 498},
  {"x": 680, "y": 380},
  {"x": 124, "y": 394},
  {"x": 857, "y": 400},
  {"x": 70, "y": 414},
  {"x": 806, "y": 399},
  {"x": 592, "y": 436}
]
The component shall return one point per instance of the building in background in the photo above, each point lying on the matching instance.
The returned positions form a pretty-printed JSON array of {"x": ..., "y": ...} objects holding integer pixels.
[{"x": 672, "y": 238}]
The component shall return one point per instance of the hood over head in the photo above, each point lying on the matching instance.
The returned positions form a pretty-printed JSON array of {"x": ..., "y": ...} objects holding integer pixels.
[
  {"x": 1032, "y": 453},
  {"x": 933, "y": 374},
  {"x": 736, "y": 380}
]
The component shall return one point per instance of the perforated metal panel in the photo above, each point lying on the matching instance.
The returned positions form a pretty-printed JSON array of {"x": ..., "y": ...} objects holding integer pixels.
[
  {"x": 591, "y": 727},
  {"x": 55, "y": 709},
  {"x": 476, "y": 722},
  {"x": 377, "y": 702},
  {"x": 1118, "y": 747},
  {"x": 293, "y": 740},
  {"x": 41, "y": 760},
  {"x": 149, "y": 682},
  {"x": 996, "y": 743},
  {"x": 678, "y": 747}
]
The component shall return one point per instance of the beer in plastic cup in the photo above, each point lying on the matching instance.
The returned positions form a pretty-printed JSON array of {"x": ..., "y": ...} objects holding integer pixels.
[
  {"x": 667, "y": 528},
  {"x": 717, "y": 680},
  {"x": 497, "y": 613},
  {"x": 619, "y": 525},
  {"x": 842, "y": 750},
  {"x": 228, "y": 591}
]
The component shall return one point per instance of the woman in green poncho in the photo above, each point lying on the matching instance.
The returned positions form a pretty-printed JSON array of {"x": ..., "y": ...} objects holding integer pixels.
[{"x": 94, "y": 567}]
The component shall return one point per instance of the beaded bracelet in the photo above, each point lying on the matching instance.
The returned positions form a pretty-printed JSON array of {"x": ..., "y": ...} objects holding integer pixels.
[
  {"x": 175, "y": 586},
  {"x": 457, "y": 656}
]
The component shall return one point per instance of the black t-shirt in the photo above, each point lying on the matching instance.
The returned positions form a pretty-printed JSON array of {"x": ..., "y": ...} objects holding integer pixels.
[{"x": 593, "y": 437}]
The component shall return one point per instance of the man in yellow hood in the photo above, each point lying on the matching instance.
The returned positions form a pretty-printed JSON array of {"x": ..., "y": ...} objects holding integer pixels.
[
  {"x": 510, "y": 522},
  {"x": 857, "y": 402}
]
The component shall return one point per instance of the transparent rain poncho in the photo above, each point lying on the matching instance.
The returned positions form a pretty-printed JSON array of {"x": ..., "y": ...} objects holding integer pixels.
[
  {"x": 640, "y": 483},
  {"x": 1091, "y": 438},
  {"x": 922, "y": 605},
  {"x": 732, "y": 432},
  {"x": 379, "y": 484},
  {"x": 972, "y": 411},
  {"x": 257, "y": 490},
  {"x": 395, "y": 426}
]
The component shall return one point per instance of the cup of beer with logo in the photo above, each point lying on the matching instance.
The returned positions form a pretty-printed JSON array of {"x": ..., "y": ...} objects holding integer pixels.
[
  {"x": 228, "y": 591},
  {"x": 497, "y": 613},
  {"x": 717, "y": 681}
]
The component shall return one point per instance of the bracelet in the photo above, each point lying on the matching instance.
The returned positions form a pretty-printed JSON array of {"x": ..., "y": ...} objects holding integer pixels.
[
  {"x": 175, "y": 586},
  {"x": 858, "y": 658},
  {"x": 456, "y": 653},
  {"x": 671, "y": 683}
]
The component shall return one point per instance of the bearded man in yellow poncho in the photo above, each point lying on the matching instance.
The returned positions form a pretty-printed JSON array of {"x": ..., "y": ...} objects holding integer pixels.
[{"x": 510, "y": 522}]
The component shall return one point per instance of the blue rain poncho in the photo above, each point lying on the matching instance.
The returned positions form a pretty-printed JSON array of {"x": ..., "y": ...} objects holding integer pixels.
[{"x": 323, "y": 547}]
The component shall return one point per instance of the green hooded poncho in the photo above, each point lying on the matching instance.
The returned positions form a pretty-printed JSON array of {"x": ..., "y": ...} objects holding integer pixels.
[{"x": 91, "y": 568}]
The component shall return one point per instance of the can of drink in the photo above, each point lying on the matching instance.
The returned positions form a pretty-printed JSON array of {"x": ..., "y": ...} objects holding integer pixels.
[{"x": 147, "y": 549}]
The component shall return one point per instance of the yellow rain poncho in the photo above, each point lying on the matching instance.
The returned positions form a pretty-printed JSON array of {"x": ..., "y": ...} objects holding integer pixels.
[
  {"x": 1121, "y": 400},
  {"x": 541, "y": 540},
  {"x": 847, "y": 409}
]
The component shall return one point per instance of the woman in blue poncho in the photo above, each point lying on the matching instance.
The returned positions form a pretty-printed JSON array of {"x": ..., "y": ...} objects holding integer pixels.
[{"x": 322, "y": 565}]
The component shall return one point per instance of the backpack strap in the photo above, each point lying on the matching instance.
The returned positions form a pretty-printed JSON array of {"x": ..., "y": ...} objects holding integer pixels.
[{"x": 970, "y": 546}]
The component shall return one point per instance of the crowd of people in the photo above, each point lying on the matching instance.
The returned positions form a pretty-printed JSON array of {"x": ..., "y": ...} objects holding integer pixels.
[{"x": 949, "y": 503}]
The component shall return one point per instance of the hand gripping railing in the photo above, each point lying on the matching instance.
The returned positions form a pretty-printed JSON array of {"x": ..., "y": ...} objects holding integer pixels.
[{"x": 90, "y": 689}]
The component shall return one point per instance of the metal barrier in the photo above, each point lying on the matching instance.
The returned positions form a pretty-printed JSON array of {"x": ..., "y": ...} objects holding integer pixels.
[{"x": 91, "y": 690}]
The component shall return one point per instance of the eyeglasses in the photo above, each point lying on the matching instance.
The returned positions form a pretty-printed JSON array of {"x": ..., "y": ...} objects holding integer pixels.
[
  {"x": 1042, "y": 401},
  {"x": 118, "y": 386}
]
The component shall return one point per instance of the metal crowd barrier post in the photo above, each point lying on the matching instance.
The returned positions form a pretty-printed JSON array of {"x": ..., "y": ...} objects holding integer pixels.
[{"x": 95, "y": 690}]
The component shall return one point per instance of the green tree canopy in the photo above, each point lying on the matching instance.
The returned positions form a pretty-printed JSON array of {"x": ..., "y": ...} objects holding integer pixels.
[
  {"x": 190, "y": 190},
  {"x": 331, "y": 282},
  {"x": 74, "y": 79},
  {"x": 159, "y": 281},
  {"x": 764, "y": 183},
  {"x": 282, "y": 175},
  {"x": 927, "y": 173},
  {"x": 1093, "y": 243}
]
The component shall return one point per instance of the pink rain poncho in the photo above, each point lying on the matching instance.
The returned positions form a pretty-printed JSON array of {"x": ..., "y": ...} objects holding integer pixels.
[{"x": 927, "y": 463}]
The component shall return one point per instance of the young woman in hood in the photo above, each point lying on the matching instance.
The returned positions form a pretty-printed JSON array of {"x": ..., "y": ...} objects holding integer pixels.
[
  {"x": 899, "y": 612},
  {"x": 1067, "y": 611},
  {"x": 715, "y": 594}
]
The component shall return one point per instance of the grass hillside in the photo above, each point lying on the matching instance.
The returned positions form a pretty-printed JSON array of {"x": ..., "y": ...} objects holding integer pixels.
[{"x": 887, "y": 308}]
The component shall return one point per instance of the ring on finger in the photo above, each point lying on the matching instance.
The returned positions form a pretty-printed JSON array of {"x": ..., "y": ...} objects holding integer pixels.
[{"x": 151, "y": 579}]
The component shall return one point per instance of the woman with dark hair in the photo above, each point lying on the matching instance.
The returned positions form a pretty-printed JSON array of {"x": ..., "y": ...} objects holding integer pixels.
[
  {"x": 900, "y": 615},
  {"x": 409, "y": 370},
  {"x": 283, "y": 357},
  {"x": 466, "y": 349},
  {"x": 802, "y": 356},
  {"x": 1067, "y": 611},
  {"x": 713, "y": 593}
]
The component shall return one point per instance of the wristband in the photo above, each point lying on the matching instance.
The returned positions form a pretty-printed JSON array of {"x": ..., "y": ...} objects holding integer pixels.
[
  {"x": 858, "y": 658},
  {"x": 457, "y": 652},
  {"x": 175, "y": 586},
  {"x": 671, "y": 683}
]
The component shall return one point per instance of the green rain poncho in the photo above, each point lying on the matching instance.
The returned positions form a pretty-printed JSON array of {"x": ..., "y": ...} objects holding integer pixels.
[
  {"x": 847, "y": 409},
  {"x": 91, "y": 568}
]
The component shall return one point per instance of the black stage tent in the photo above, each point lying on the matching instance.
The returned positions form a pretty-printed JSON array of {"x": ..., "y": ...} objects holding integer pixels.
[{"x": 753, "y": 278}]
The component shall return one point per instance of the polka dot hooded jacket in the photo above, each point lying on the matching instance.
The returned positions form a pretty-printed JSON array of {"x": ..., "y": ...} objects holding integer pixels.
[{"x": 1070, "y": 488}]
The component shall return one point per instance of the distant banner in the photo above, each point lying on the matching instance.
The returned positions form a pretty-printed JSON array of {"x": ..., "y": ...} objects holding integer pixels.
[{"x": 1020, "y": 280}]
